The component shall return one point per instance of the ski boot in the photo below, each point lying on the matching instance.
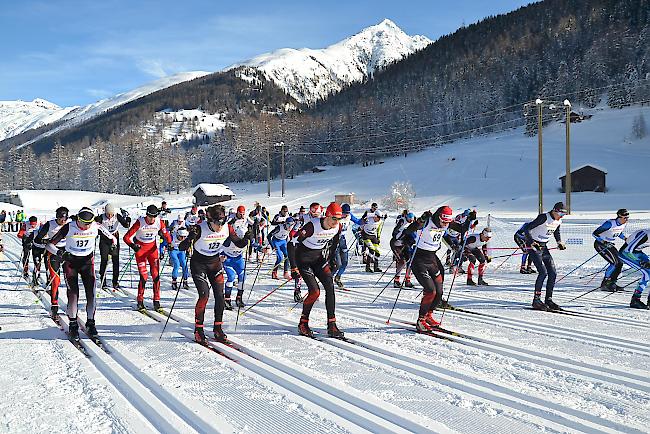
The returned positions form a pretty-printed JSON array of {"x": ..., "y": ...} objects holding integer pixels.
[
  {"x": 73, "y": 329},
  {"x": 445, "y": 305},
  {"x": 605, "y": 285},
  {"x": 636, "y": 303},
  {"x": 105, "y": 287},
  {"x": 227, "y": 304},
  {"x": 523, "y": 270},
  {"x": 482, "y": 282},
  {"x": 303, "y": 328},
  {"x": 219, "y": 335},
  {"x": 408, "y": 284},
  {"x": 91, "y": 330},
  {"x": 297, "y": 295},
  {"x": 55, "y": 312},
  {"x": 368, "y": 268},
  {"x": 141, "y": 306},
  {"x": 430, "y": 320},
  {"x": 376, "y": 269},
  {"x": 287, "y": 275},
  {"x": 538, "y": 304},
  {"x": 26, "y": 275},
  {"x": 239, "y": 301},
  {"x": 551, "y": 305},
  {"x": 116, "y": 287},
  {"x": 396, "y": 283},
  {"x": 274, "y": 274},
  {"x": 332, "y": 330},
  {"x": 174, "y": 285},
  {"x": 531, "y": 270},
  {"x": 337, "y": 280},
  {"x": 185, "y": 284},
  {"x": 199, "y": 335},
  {"x": 156, "y": 306},
  {"x": 470, "y": 282},
  {"x": 422, "y": 325},
  {"x": 613, "y": 287}
]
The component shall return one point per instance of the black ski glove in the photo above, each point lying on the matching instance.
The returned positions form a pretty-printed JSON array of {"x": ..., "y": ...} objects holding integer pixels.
[
  {"x": 135, "y": 247},
  {"x": 114, "y": 250}
]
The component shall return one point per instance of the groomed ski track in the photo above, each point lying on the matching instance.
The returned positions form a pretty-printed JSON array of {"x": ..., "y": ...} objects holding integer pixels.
[{"x": 509, "y": 370}]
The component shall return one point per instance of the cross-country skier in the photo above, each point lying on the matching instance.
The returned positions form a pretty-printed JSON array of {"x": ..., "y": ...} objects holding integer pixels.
[
  {"x": 370, "y": 235},
  {"x": 632, "y": 254},
  {"x": 52, "y": 261},
  {"x": 341, "y": 254},
  {"x": 234, "y": 265},
  {"x": 312, "y": 253},
  {"x": 424, "y": 236},
  {"x": 27, "y": 232},
  {"x": 111, "y": 221},
  {"x": 77, "y": 255},
  {"x": 207, "y": 270},
  {"x": 526, "y": 259},
  {"x": 142, "y": 237},
  {"x": 278, "y": 240},
  {"x": 455, "y": 237},
  {"x": 605, "y": 236},
  {"x": 476, "y": 250},
  {"x": 179, "y": 258},
  {"x": 192, "y": 216},
  {"x": 401, "y": 254},
  {"x": 537, "y": 233}
]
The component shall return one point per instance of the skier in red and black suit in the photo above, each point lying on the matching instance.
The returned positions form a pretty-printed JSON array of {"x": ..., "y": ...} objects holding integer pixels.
[
  {"x": 52, "y": 261},
  {"x": 311, "y": 254},
  {"x": 146, "y": 230},
  {"x": 27, "y": 232},
  {"x": 425, "y": 237},
  {"x": 206, "y": 267},
  {"x": 78, "y": 257}
]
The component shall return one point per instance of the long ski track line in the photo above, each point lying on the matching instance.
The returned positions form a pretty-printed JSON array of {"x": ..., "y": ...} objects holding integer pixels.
[{"x": 156, "y": 405}]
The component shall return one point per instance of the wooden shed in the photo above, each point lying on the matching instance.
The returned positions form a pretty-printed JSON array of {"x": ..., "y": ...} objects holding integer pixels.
[
  {"x": 344, "y": 198},
  {"x": 586, "y": 178},
  {"x": 209, "y": 194}
]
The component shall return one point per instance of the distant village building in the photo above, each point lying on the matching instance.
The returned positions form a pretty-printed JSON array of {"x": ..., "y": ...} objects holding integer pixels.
[
  {"x": 586, "y": 178},
  {"x": 209, "y": 194},
  {"x": 344, "y": 198}
]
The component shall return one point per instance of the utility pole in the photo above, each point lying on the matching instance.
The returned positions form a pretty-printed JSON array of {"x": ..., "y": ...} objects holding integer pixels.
[
  {"x": 539, "y": 157},
  {"x": 268, "y": 169},
  {"x": 567, "y": 179},
  {"x": 282, "y": 146}
]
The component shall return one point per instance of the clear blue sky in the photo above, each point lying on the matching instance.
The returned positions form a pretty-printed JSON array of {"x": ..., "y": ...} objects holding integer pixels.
[{"x": 75, "y": 52}]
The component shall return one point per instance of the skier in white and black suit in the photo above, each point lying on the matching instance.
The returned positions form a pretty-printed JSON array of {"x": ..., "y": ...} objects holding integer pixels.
[
  {"x": 424, "y": 236},
  {"x": 111, "y": 221},
  {"x": 605, "y": 236},
  {"x": 311, "y": 254},
  {"x": 476, "y": 250},
  {"x": 78, "y": 257},
  {"x": 537, "y": 233}
]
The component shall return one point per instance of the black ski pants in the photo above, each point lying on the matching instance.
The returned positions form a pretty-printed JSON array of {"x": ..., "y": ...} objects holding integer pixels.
[
  {"x": 104, "y": 253},
  {"x": 546, "y": 268},
  {"x": 430, "y": 273},
  {"x": 74, "y": 267},
  {"x": 207, "y": 272},
  {"x": 312, "y": 265},
  {"x": 610, "y": 254}
]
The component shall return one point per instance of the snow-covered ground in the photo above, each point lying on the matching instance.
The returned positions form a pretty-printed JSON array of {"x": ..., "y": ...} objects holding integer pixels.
[{"x": 511, "y": 369}]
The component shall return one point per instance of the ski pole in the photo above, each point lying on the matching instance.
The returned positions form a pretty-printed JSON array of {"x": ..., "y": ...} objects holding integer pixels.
[
  {"x": 408, "y": 267},
  {"x": 384, "y": 273},
  {"x": 266, "y": 296},
  {"x": 453, "y": 279},
  {"x": 242, "y": 287},
  {"x": 594, "y": 273},
  {"x": 178, "y": 288},
  {"x": 506, "y": 260},
  {"x": 576, "y": 268},
  {"x": 259, "y": 266}
]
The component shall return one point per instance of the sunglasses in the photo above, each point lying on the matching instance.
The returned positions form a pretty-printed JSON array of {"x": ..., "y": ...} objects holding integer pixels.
[{"x": 335, "y": 218}]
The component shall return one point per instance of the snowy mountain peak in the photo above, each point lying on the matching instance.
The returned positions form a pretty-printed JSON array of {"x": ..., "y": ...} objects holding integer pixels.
[
  {"x": 45, "y": 104},
  {"x": 309, "y": 75}
]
